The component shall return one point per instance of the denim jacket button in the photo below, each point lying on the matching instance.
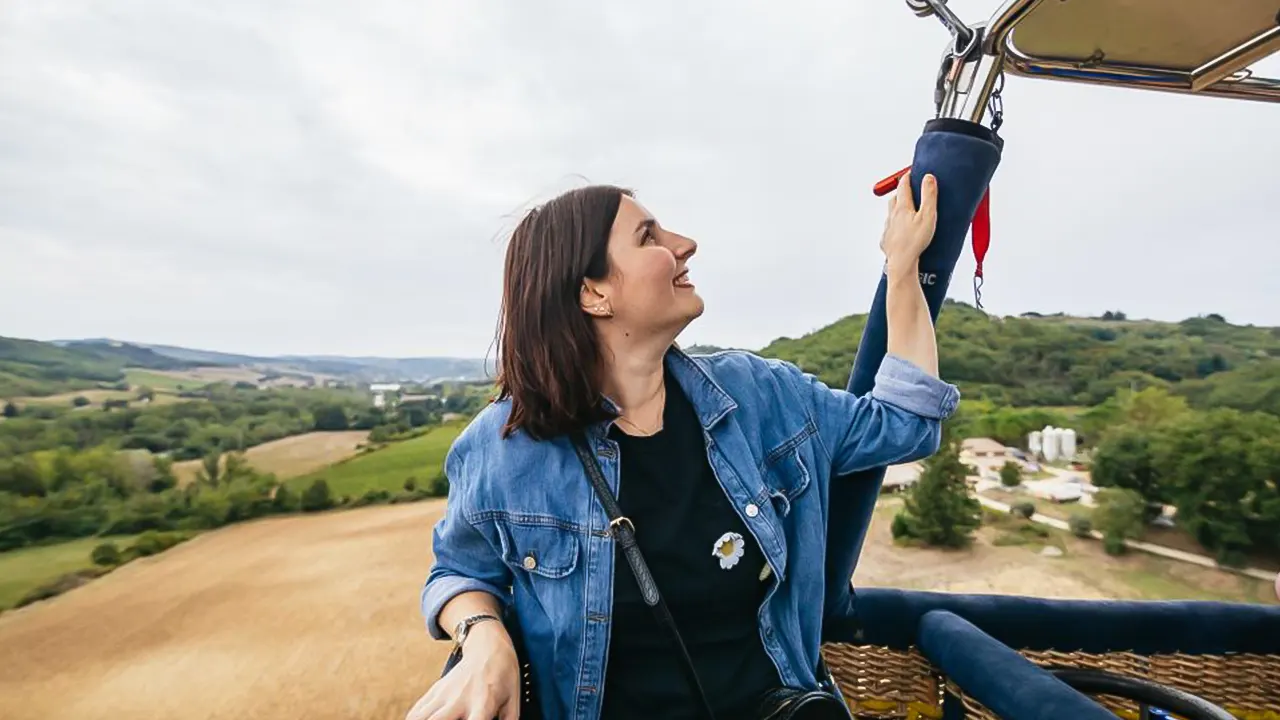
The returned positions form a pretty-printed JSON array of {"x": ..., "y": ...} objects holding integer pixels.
[
  {"x": 530, "y": 563},
  {"x": 752, "y": 510}
]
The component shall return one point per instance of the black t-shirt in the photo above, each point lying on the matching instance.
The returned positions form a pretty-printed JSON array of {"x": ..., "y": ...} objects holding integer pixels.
[{"x": 682, "y": 518}]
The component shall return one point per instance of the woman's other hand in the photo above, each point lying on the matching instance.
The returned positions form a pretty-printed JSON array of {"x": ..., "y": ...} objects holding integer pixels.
[
  {"x": 485, "y": 684},
  {"x": 908, "y": 231}
]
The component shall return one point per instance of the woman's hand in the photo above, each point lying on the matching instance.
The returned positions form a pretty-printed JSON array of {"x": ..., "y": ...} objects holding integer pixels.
[
  {"x": 908, "y": 231},
  {"x": 485, "y": 684}
]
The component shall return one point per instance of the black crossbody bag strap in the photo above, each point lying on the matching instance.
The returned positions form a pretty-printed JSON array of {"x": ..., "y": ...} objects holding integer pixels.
[{"x": 624, "y": 532}]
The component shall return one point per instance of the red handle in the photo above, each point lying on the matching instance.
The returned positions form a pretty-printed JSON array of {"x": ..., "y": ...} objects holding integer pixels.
[{"x": 889, "y": 184}]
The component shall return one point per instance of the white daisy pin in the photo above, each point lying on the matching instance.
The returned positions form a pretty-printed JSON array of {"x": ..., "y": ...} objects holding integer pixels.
[{"x": 728, "y": 549}]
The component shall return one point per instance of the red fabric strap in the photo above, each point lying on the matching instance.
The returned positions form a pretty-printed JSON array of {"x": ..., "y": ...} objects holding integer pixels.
[{"x": 982, "y": 231}]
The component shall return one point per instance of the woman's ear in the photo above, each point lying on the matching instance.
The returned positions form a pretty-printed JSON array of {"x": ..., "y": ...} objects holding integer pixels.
[{"x": 594, "y": 302}]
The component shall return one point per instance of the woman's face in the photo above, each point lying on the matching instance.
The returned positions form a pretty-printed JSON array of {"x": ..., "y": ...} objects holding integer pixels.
[{"x": 647, "y": 289}]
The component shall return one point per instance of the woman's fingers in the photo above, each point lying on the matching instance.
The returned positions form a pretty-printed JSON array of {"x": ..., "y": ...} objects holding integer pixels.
[
  {"x": 928, "y": 198},
  {"x": 902, "y": 199}
]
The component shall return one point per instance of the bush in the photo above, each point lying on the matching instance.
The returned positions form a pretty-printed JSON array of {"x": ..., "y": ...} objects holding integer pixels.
[
  {"x": 1119, "y": 517},
  {"x": 317, "y": 497},
  {"x": 1113, "y": 544},
  {"x": 900, "y": 527},
  {"x": 1010, "y": 474},
  {"x": 106, "y": 555},
  {"x": 410, "y": 484},
  {"x": 1023, "y": 509},
  {"x": 1081, "y": 526},
  {"x": 439, "y": 485},
  {"x": 154, "y": 543}
]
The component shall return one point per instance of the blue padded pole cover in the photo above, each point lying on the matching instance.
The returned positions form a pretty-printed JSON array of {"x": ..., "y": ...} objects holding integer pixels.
[
  {"x": 963, "y": 156},
  {"x": 999, "y": 677}
]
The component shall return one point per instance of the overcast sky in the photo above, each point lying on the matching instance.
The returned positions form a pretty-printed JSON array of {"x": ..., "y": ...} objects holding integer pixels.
[{"x": 328, "y": 176}]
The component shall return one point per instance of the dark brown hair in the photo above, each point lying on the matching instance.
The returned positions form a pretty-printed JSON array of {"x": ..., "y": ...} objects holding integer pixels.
[{"x": 548, "y": 351}]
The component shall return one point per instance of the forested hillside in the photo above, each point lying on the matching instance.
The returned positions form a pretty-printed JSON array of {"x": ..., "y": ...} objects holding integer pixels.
[
  {"x": 29, "y": 367},
  {"x": 1058, "y": 360}
]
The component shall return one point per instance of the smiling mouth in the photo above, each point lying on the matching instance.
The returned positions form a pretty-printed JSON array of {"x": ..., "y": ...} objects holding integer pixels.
[{"x": 682, "y": 280}]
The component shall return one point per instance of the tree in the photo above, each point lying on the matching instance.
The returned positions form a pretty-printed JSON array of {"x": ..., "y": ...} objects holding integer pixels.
[
  {"x": 10, "y": 410},
  {"x": 331, "y": 417},
  {"x": 210, "y": 468},
  {"x": 1124, "y": 459},
  {"x": 1118, "y": 517},
  {"x": 1220, "y": 470},
  {"x": 1010, "y": 474},
  {"x": 939, "y": 510},
  {"x": 164, "y": 478},
  {"x": 317, "y": 497},
  {"x": 22, "y": 476}
]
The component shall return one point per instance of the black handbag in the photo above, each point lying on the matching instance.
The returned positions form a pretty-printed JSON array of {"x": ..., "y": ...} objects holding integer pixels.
[{"x": 782, "y": 703}]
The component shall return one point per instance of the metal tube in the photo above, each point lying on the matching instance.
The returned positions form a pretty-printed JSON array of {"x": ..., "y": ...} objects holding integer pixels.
[{"x": 1235, "y": 60}]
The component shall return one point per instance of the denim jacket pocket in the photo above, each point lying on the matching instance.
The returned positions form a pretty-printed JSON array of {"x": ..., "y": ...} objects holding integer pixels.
[
  {"x": 544, "y": 549},
  {"x": 785, "y": 473}
]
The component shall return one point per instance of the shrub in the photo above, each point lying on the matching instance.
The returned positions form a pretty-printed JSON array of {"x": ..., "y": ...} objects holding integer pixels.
[
  {"x": 900, "y": 527},
  {"x": 1081, "y": 526},
  {"x": 410, "y": 484},
  {"x": 1023, "y": 509},
  {"x": 317, "y": 497},
  {"x": 1119, "y": 517},
  {"x": 106, "y": 555},
  {"x": 439, "y": 485},
  {"x": 1010, "y": 474},
  {"x": 153, "y": 543}
]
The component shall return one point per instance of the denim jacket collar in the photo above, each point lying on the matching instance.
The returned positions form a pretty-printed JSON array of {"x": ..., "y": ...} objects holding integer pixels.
[{"x": 707, "y": 396}]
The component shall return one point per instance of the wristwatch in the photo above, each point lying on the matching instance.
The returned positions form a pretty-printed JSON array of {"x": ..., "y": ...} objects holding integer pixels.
[{"x": 464, "y": 627}]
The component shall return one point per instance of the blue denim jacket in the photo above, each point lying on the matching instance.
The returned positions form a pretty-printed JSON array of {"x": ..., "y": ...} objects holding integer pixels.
[{"x": 523, "y": 524}]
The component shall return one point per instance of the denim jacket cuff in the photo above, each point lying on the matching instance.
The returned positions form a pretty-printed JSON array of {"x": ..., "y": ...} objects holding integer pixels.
[
  {"x": 902, "y": 383},
  {"x": 437, "y": 593}
]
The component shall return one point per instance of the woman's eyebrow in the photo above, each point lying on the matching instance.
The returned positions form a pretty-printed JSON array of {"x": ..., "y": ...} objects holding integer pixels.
[{"x": 646, "y": 224}]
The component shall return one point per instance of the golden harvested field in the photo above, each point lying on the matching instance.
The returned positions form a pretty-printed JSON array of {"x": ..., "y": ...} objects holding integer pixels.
[
  {"x": 312, "y": 617},
  {"x": 317, "y": 617},
  {"x": 174, "y": 380},
  {"x": 292, "y": 456}
]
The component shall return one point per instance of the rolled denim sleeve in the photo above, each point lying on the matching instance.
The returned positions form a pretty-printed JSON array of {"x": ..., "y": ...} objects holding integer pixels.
[
  {"x": 902, "y": 383},
  {"x": 464, "y": 561},
  {"x": 900, "y": 420}
]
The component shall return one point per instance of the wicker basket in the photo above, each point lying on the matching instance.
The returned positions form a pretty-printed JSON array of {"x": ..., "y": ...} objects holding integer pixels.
[{"x": 884, "y": 683}]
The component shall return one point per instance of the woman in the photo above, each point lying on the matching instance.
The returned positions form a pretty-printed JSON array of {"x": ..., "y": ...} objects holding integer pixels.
[{"x": 720, "y": 462}]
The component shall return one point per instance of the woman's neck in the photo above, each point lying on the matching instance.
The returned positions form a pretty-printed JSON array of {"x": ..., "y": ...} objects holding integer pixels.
[{"x": 633, "y": 374}]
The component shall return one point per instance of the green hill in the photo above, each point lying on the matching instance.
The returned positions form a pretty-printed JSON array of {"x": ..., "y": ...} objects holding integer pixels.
[
  {"x": 387, "y": 468},
  {"x": 33, "y": 368},
  {"x": 1060, "y": 360}
]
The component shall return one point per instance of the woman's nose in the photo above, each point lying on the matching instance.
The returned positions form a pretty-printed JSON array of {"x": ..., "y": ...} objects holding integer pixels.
[{"x": 683, "y": 247}]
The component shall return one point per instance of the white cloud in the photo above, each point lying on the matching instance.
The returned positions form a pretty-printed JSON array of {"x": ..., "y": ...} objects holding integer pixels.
[{"x": 325, "y": 176}]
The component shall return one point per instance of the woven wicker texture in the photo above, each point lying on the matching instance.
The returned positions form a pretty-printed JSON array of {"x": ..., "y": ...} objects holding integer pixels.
[{"x": 882, "y": 683}]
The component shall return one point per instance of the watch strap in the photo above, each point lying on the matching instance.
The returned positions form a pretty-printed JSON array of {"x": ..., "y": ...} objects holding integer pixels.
[{"x": 464, "y": 626}]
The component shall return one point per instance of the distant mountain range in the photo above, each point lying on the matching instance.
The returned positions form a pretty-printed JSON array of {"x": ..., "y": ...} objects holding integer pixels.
[{"x": 358, "y": 369}]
